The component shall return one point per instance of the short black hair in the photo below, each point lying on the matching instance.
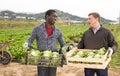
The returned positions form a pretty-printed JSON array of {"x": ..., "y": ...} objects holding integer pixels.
[{"x": 49, "y": 12}]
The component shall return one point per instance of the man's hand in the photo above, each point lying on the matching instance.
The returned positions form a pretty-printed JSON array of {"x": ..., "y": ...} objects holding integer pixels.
[
  {"x": 25, "y": 45},
  {"x": 64, "y": 49},
  {"x": 68, "y": 54},
  {"x": 110, "y": 51}
]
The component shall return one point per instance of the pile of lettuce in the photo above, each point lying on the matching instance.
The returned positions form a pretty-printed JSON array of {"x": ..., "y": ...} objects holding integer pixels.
[
  {"x": 89, "y": 54},
  {"x": 44, "y": 58}
]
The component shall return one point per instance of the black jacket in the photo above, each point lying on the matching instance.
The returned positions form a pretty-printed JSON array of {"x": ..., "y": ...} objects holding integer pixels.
[{"x": 102, "y": 38}]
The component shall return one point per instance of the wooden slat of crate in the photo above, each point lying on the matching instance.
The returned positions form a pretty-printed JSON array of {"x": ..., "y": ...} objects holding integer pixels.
[
  {"x": 94, "y": 66},
  {"x": 86, "y": 60}
]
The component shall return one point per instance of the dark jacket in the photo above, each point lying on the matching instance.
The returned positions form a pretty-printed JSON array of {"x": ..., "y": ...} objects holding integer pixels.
[{"x": 102, "y": 38}]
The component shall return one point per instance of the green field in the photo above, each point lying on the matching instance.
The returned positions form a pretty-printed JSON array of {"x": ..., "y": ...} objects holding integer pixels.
[{"x": 20, "y": 31}]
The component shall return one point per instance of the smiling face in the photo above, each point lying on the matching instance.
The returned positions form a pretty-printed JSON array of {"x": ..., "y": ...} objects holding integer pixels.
[{"x": 51, "y": 19}]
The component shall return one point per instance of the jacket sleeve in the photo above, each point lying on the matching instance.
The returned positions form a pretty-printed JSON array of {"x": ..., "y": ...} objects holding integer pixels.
[
  {"x": 81, "y": 43},
  {"x": 111, "y": 42},
  {"x": 61, "y": 40},
  {"x": 32, "y": 37}
]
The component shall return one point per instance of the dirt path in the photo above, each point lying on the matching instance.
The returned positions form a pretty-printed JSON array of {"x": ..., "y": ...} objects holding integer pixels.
[{"x": 16, "y": 69}]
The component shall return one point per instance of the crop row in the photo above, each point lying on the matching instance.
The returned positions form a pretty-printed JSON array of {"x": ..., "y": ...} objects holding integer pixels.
[{"x": 71, "y": 34}]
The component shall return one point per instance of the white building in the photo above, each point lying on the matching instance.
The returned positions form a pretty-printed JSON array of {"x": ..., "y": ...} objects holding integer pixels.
[{"x": 118, "y": 20}]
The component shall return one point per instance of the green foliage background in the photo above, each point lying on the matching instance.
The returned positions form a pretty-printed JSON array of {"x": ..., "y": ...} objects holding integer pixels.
[{"x": 20, "y": 31}]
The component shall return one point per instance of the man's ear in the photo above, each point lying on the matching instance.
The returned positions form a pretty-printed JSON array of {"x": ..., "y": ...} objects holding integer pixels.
[{"x": 47, "y": 16}]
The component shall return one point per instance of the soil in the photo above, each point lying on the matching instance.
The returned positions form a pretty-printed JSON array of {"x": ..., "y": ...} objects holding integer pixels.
[{"x": 17, "y": 69}]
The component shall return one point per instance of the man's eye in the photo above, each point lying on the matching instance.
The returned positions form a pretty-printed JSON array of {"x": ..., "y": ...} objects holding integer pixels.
[{"x": 55, "y": 16}]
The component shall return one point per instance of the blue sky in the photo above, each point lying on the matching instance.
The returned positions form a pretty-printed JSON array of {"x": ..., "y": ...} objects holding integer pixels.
[{"x": 108, "y": 9}]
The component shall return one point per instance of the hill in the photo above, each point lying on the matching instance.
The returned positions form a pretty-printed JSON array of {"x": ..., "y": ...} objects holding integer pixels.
[{"x": 62, "y": 16}]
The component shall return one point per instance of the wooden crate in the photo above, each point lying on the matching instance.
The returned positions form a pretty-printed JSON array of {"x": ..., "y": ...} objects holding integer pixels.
[
  {"x": 45, "y": 61},
  {"x": 96, "y": 63}
]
